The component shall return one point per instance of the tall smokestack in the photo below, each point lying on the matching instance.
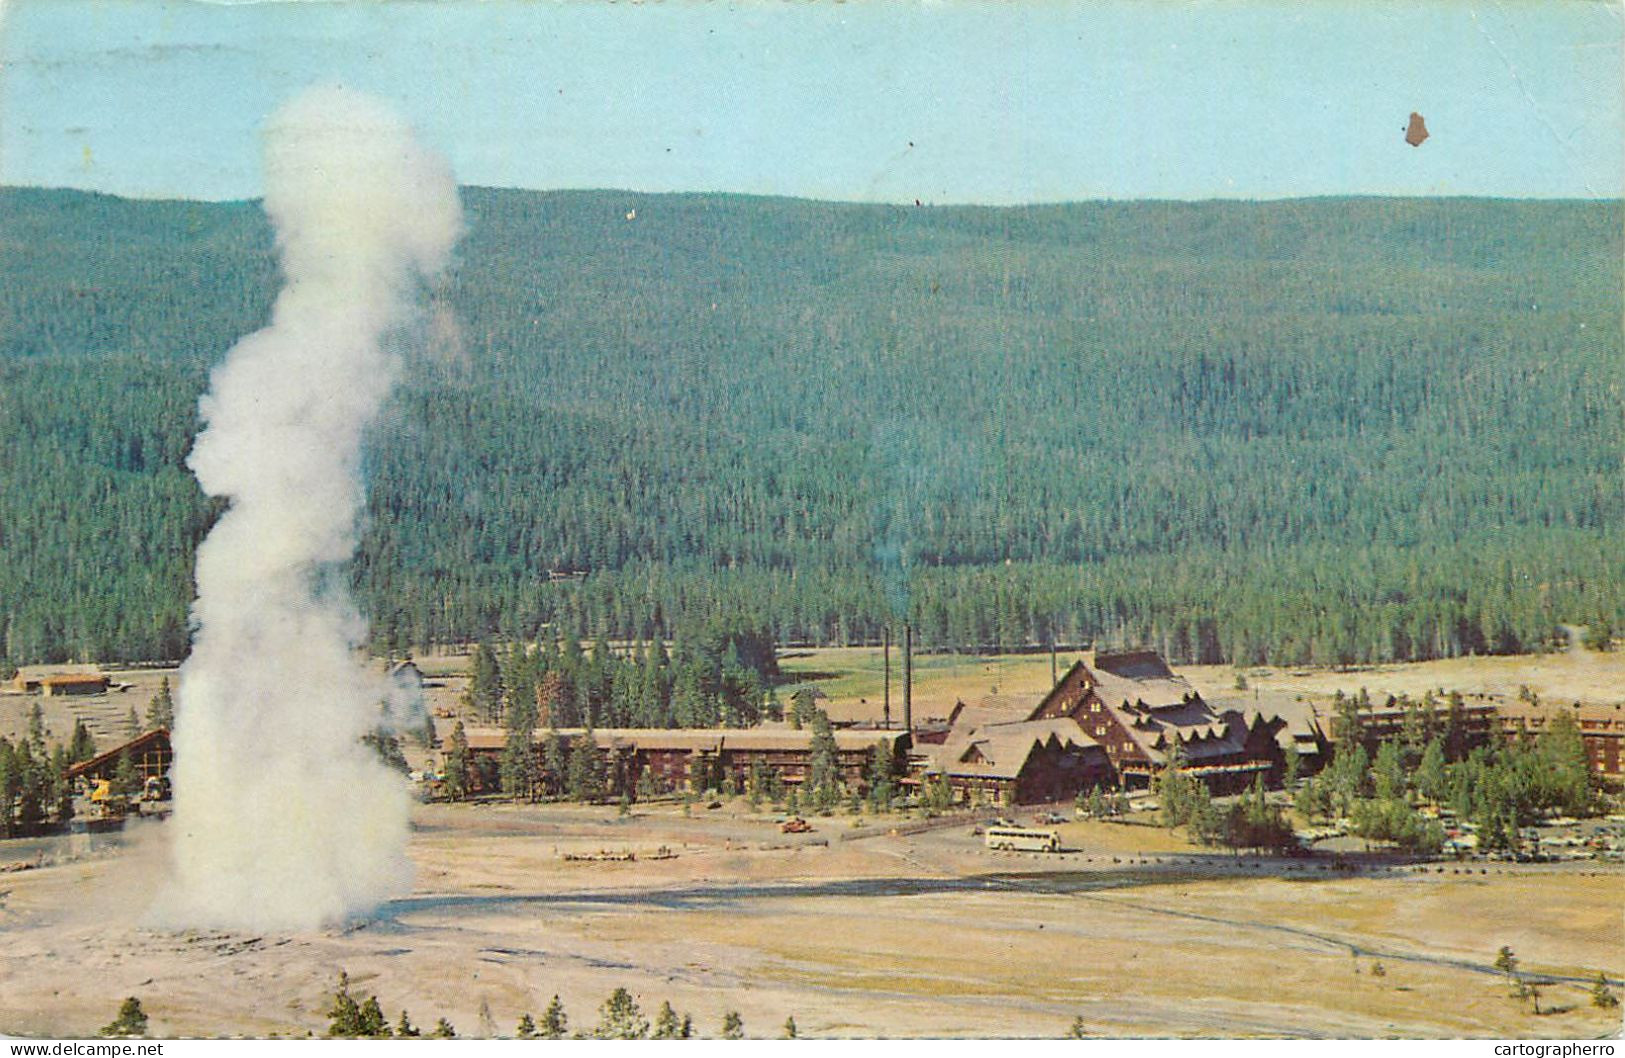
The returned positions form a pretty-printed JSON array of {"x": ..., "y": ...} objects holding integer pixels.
[
  {"x": 885, "y": 654},
  {"x": 284, "y": 819},
  {"x": 908, "y": 678}
]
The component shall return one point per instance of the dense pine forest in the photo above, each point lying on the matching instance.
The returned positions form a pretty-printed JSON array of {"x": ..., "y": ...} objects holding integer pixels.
[{"x": 1324, "y": 431}]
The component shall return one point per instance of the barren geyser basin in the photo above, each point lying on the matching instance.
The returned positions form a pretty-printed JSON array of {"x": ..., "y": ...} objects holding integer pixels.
[{"x": 914, "y": 935}]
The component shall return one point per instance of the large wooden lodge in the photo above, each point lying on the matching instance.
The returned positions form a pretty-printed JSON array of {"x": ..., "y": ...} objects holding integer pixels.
[
  {"x": 1111, "y": 721},
  {"x": 697, "y": 758}
]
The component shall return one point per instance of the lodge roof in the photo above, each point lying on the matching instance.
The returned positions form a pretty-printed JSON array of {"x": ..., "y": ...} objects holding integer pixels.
[
  {"x": 1001, "y": 751},
  {"x": 1170, "y": 692},
  {"x": 995, "y": 709},
  {"x": 74, "y": 679},
  {"x": 1538, "y": 715},
  {"x": 135, "y": 745},
  {"x": 1134, "y": 665},
  {"x": 710, "y": 740}
]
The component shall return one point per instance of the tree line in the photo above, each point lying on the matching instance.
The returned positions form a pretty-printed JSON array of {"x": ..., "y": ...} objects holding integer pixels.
[
  {"x": 1500, "y": 784},
  {"x": 1325, "y": 432},
  {"x": 620, "y": 1017}
]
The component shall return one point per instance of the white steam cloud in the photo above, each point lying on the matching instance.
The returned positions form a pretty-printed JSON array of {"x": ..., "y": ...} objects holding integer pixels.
[{"x": 283, "y": 818}]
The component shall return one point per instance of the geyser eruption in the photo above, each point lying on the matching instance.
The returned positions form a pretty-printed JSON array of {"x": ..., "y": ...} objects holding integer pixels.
[{"x": 283, "y": 818}]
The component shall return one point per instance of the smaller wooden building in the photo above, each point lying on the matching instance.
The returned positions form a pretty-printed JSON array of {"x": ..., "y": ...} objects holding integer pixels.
[
  {"x": 73, "y": 683},
  {"x": 150, "y": 753}
]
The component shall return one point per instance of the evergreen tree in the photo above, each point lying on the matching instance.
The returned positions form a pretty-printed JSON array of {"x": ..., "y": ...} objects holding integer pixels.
[
  {"x": 1566, "y": 781},
  {"x": 1601, "y": 995},
  {"x": 881, "y": 772},
  {"x": 666, "y": 1026},
  {"x": 131, "y": 1020},
  {"x": 82, "y": 747},
  {"x": 620, "y": 1019},
  {"x": 370, "y": 1022},
  {"x": 161, "y": 709},
  {"x": 823, "y": 784},
  {"x": 132, "y": 724},
  {"x": 1348, "y": 725},
  {"x": 526, "y": 1029},
  {"x": 1388, "y": 771},
  {"x": 790, "y": 1032},
  {"x": 126, "y": 781},
  {"x": 520, "y": 772},
  {"x": 404, "y": 1029},
  {"x": 457, "y": 764},
  {"x": 10, "y": 789},
  {"x": 443, "y": 1031},
  {"x": 585, "y": 771},
  {"x": 1455, "y": 728},
  {"x": 344, "y": 1013},
  {"x": 36, "y": 730},
  {"x": 733, "y": 1026},
  {"x": 388, "y": 748},
  {"x": 485, "y": 689},
  {"x": 555, "y": 762},
  {"x": 555, "y": 1025},
  {"x": 1430, "y": 777},
  {"x": 1175, "y": 790}
]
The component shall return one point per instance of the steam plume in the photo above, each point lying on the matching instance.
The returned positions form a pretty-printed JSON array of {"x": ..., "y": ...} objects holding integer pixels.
[{"x": 283, "y": 819}]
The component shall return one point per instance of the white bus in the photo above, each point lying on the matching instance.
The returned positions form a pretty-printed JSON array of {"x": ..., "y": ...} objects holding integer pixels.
[{"x": 1023, "y": 839}]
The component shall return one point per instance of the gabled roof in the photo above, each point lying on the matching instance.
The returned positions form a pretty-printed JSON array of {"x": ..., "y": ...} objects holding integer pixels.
[
  {"x": 1170, "y": 692},
  {"x": 996, "y": 709},
  {"x": 1001, "y": 751},
  {"x": 1134, "y": 665},
  {"x": 135, "y": 745}
]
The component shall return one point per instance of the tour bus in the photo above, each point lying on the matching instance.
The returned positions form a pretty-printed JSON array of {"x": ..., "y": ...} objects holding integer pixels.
[{"x": 1023, "y": 839}]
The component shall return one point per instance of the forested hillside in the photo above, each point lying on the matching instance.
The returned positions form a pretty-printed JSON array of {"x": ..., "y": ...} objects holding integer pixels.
[{"x": 1305, "y": 431}]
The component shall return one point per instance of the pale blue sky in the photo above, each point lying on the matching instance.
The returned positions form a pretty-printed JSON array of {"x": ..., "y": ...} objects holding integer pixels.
[{"x": 946, "y": 101}]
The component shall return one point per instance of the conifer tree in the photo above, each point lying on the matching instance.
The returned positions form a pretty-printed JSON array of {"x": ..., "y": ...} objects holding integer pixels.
[
  {"x": 555, "y": 763},
  {"x": 371, "y": 1023},
  {"x": 344, "y": 1013},
  {"x": 457, "y": 763},
  {"x": 666, "y": 1026},
  {"x": 126, "y": 782},
  {"x": 131, "y": 1020},
  {"x": 485, "y": 690},
  {"x": 555, "y": 1024},
  {"x": 82, "y": 747},
  {"x": 161, "y": 709},
  {"x": 620, "y": 1019},
  {"x": 36, "y": 729}
]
